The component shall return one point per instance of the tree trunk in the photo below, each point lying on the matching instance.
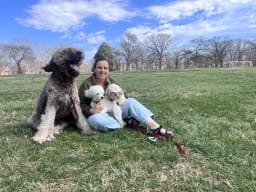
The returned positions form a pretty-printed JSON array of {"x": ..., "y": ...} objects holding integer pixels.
[{"x": 19, "y": 71}]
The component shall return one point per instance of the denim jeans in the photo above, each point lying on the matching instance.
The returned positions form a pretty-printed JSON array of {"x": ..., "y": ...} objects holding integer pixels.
[{"x": 130, "y": 108}]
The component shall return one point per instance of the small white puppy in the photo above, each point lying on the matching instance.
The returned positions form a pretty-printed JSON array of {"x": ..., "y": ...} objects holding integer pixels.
[
  {"x": 114, "y": 97},
  {"x": 96, "y": 93}
]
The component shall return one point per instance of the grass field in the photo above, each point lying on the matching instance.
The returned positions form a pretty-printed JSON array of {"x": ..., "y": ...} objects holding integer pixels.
[{"x": 212, "y": 113}]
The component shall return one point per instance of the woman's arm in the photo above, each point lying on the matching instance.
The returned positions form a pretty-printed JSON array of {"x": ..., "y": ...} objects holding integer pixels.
[{"x": 84, "y": 101}]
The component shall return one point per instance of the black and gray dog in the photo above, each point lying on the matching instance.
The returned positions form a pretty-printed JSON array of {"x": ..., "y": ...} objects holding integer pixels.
[{"x": 59, "y": 103}]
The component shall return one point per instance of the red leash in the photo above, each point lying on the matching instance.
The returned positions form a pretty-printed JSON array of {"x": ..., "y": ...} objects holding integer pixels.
[
  {"x": 140, "y": 130},
  {"x": 181, "y": 149},
  {"x": 73, "y": 105}
]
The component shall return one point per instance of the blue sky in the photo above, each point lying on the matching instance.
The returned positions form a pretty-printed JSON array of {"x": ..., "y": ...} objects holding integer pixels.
[{"x": 87, "y": 23}]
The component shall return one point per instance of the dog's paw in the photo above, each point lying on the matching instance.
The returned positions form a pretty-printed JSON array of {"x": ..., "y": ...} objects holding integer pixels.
[
  {"x": 39, "y": 140},
  {"x": 40, "y": 136},
  {"x": 50, "y": 137},
  {"x": 88, "y": 131},
  {"x": 57, "y": 130}
]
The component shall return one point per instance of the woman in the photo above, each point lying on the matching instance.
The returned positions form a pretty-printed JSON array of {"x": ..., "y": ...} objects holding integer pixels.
[{"x": 131, "y": 108}]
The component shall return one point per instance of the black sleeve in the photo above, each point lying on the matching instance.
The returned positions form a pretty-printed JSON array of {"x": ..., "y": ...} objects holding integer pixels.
[{"x": 84, "y": 101}]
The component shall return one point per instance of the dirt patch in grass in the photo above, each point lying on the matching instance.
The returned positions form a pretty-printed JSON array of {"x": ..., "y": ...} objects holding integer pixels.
[
  {"x": 186, "y": 172},
  {"x": 243, "y": 135}
]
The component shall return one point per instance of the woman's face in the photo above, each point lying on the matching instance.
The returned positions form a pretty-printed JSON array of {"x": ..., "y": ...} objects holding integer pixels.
[{"x": 102, "y": 70}]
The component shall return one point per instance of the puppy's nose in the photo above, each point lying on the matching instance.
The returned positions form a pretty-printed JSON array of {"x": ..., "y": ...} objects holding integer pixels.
[{"x": 102, "y": 97}]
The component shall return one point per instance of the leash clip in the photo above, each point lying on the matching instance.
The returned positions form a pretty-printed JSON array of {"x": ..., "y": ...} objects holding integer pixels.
[{"x": 153, "y": 139}]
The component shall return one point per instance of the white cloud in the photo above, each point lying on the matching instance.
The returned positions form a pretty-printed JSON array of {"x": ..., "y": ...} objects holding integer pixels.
[
  {"x": 80, "y": 36},
  {"x": 91, "y": 38},
  {"x": 65, "y": 15},
  {"x": 112, "y": 10},
  {"x": 174, "y": 10},
  {"x": 182, "y": 19},
  {"x": 96, "y": 38},
  {"x": 181, "y": 9},
  {"x": 140, "y": 31},
  {"x": 191, "y": 19},
  {"x": 57, "y": 16}
]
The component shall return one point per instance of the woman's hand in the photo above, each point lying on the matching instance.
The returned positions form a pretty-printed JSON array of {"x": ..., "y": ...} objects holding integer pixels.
[{"x": 98, "y": 107}]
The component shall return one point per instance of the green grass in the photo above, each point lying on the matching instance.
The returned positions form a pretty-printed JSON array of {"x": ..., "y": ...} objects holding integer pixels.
[{"x": 212, "y": 113}]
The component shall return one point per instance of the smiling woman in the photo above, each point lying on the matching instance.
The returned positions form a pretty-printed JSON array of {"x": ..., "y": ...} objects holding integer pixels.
[{"x": 131, "y": 108}]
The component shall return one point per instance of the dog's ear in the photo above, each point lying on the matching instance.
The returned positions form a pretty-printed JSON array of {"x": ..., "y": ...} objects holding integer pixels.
[
  {"x": 87, "y": 93},
  {"x": 106, "y": 92},
  {"x": 51, "y": 66},
  {"x": 121, "y": 99},
  {"x": 120, "y": 93}
]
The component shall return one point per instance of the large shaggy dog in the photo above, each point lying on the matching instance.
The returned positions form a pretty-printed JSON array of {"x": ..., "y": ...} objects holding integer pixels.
[
  {"x": 58, "y": 103},
  {"x": 114, "y": 96}
]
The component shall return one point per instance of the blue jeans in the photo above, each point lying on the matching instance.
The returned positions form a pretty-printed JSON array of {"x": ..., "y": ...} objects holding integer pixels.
[{"x": 130, "y": 108}]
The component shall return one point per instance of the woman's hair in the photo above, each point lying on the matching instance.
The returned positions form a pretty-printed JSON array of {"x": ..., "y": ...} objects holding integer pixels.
[{"x": 96, "y": 60}]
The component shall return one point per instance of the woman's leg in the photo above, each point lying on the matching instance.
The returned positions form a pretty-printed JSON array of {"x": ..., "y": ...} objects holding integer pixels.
[
  {"x": 155, "y": 127},
  {"x": 132, "y": 108},
  {"x": 103, "y": 122}
]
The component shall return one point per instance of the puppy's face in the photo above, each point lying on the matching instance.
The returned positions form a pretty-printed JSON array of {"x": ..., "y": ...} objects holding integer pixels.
[
  {"x": 113, "y": 96},
  {"x": 97, "y": 97},
  {"x": 66, "y": 61},
  {"x": 96, "y": 93},
  {"x": 114, "y": 92}
]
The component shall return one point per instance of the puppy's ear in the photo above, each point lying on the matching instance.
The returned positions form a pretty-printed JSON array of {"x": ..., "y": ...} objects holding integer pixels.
[
  {"x": 86, "y": 93},
  {"x": 121, "y": 99},
  {"x": 106, "y": 92},
  {"x": 51, "y": 66},
  {"x": 120, "y": 94}
]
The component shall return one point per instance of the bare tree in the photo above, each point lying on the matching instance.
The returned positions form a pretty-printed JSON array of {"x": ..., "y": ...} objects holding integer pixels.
[
  {"x": 3, "y": 61},
  {"x": 18, "y": 54},
  {"x": 251, "y": 51},
  {"x": 159, "y": 46},
  {"x": 186, "y": 56},
  {"x": 139, "y": 57},
  {"x": 236, "y": 51},
  {"x": 150, "y": 60},
  {"x": 129, "y": 47},
  {"x": 119, "y": 59},
  {"x": 218, "y": 48},
  {"x": 177, "y": 56},
  {"x": 198, "y": 46}
]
